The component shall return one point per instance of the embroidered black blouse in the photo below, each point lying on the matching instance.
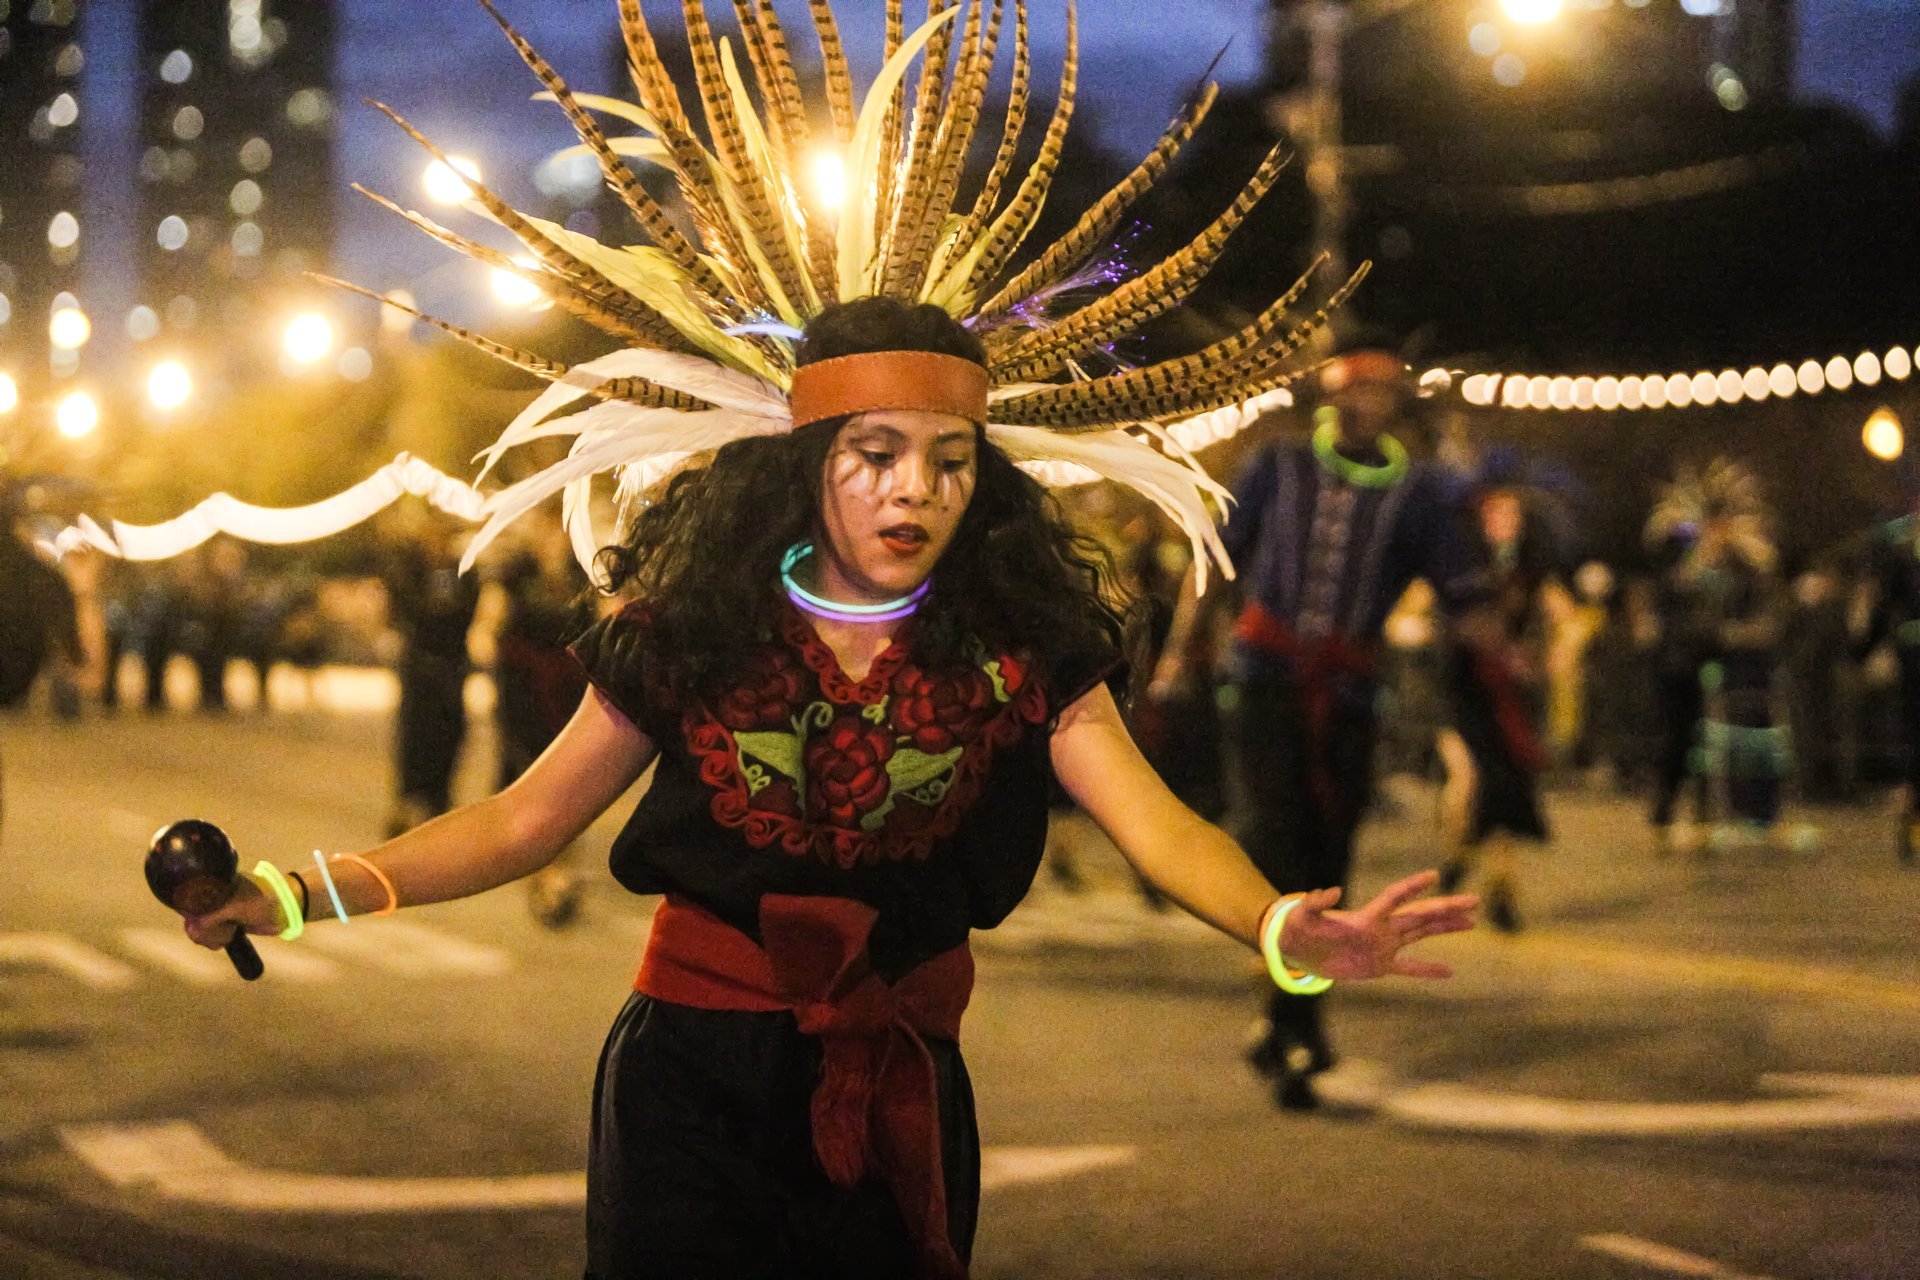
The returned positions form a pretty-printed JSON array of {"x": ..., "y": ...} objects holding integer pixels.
[{"x": 922, "y": 794}]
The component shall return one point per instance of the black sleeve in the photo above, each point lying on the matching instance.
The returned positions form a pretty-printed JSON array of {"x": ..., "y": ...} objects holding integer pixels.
[
  {"x": 1068, "y": 682},
  {"x": 613, "y": 654}
]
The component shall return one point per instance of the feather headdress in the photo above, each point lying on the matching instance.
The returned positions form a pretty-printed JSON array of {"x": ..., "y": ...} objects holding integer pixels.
[
  {"x": 1726, "y": 493},
  {"x": 707, "y": 316}
]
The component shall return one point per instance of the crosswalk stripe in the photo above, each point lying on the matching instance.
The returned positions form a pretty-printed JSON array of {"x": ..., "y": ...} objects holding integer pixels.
[
  {"x": 169, "y": 950},
  {"x": 1661, "y": 1257},
  {"x": 409, "y": 949},
  {"x": 68, "y": 955}
]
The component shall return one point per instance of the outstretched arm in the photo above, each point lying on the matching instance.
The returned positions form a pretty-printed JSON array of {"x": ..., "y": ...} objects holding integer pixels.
[
  {"x": 477, "y": 846},
  {"x": 1201, "y": 868}
]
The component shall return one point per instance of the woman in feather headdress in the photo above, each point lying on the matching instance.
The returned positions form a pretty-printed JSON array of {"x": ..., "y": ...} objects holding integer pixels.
[{"x": 862, "y": 641}]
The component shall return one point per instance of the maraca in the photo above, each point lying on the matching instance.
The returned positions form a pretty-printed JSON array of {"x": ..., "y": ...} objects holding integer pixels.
[{"x": 194, "y": 868}]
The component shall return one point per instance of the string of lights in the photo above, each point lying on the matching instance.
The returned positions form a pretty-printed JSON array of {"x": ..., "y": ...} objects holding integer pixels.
[
  {"x": 1637, "y": 190},
  {"x": 1703, "y": 389}
]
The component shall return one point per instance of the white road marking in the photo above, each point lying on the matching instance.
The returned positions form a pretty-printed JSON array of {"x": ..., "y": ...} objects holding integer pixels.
[
  {"x": 175, "y": 1160},
  {"x": 169, "y": 949},
  {"x": 1013, "y": 1166},
  {"x": 1662, "y": 1258},
  {"x": 403, "y": 947},
  {"x": 68, "y": 955},
  {"x": 1822, "y": 1101}
]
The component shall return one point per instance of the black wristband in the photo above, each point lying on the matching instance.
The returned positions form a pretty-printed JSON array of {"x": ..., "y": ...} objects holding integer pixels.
[{"x": 301, "y": 880}]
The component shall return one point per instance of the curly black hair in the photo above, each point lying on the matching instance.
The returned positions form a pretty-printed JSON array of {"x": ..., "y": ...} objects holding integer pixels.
[{"x": 704, "y": 555}]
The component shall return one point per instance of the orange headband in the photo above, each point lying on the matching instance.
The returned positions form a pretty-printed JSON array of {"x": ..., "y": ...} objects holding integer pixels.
[{"x": 889, "y": 380}]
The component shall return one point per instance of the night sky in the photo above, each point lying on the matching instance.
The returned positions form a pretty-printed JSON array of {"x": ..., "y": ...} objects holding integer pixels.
[{"x": 471, "y": 95}]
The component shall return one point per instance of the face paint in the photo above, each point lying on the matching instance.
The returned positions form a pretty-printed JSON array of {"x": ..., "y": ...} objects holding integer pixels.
[{"x": 895, "y": 485}]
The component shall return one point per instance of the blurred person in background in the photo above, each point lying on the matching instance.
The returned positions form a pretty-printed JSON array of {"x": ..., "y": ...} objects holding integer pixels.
[
  {"x": 39, "y": 625},
  {"x": 1893, "y": 569},
  {"x": 430, "y": 606},
  {"x": 533, "y": 603},
  {"x": 1492, "y": 747},
  {"x": 1327, "y": 534},
  {"x": 1720, "y": 627},
  {"x": 1814, "y": 652}
]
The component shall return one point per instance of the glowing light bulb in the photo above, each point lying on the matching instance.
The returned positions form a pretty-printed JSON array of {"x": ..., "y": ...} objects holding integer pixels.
[
  {"x": 77, "y": 415},
  {"x": 446, "y": 180},
  {"x": 829, "y": 179},
  {"x": 1883, "y": 435},
  {"x": 1531, "y": 13},
  {"x": 169, "y": 385},
  {"x": 309, "y": 338},
  {"x": 69, "y": 328},
  {"x": 514, "y": 289}
]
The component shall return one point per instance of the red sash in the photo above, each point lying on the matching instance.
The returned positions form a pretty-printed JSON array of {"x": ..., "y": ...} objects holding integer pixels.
[
  {"x": 876, "y": 1108},
  {"x": 1510, "y": 711},
  {"x": 1316, "y": 663}
]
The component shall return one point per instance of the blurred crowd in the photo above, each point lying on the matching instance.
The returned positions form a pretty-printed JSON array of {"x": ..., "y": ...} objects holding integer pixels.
[
  {"x": 1604, "y": 651},
  {"x": 1614, "y": 659}
]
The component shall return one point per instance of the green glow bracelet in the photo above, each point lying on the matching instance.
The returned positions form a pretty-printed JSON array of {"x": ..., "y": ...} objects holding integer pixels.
[
  {"x": 289, "y": 905},
  {"x": 1296, "y": 982}
]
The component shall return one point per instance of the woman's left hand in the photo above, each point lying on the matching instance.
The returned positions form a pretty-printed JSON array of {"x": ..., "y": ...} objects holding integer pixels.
[{"x": 1367, "y": 943}]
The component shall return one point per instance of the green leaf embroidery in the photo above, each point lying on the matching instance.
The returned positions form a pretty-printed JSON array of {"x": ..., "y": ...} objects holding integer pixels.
[
  {"x": 1000, "y": 693},
  {"x": 933, "y": 792},
  {"x": 815, "y": 715},
  {"x": 781, "y": 750},
  {"x": 757, "y": 779},
  {"x": 875, "y": 820},
  {"x": 877, "y": 712},
  {"x": 909, "y": 769}
]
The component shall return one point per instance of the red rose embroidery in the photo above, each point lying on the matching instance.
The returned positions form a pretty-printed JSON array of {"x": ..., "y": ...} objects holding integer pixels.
[
  {"x": 937, "y": 714},
  {"x": 768, "y": 690},
  {"x": 847, "y": 770}
]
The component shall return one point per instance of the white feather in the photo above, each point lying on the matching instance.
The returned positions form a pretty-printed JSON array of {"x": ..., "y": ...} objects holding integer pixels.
[
  {"x": 1177, "y": 488},
  {"x": 616, "y": 434}
]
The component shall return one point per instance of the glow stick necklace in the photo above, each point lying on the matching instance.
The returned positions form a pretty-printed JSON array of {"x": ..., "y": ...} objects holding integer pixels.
[{"x": 821, "y": 607}]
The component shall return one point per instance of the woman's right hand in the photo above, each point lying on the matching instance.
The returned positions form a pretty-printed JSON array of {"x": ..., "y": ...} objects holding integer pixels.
[{"x": 248, "y": 909}]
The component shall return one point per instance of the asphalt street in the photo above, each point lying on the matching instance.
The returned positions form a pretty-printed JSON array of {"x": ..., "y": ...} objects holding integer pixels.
[{"x": 1683, "y": 1067}]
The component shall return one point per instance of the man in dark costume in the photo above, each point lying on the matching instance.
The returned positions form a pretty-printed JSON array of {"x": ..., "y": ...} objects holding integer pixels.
[{"x": 1327, "y": 535}]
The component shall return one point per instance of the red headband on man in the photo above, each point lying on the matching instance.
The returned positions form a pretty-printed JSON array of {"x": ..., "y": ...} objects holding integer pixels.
[
  {"x": 1363, "y": 366},
  {"x": 889, "y": 380}
]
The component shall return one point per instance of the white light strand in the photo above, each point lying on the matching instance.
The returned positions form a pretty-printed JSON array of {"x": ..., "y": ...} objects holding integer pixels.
[{"x": 1703, "y": 387}]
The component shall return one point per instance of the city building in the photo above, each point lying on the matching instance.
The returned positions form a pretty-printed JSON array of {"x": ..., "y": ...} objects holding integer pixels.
[
  {"x": 43, "y": 332},
  {"x": 235, "y": 174}
]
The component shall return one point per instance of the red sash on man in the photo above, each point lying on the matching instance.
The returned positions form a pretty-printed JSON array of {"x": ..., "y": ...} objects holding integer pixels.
[
  {"x": 1316, "y": 664},
  {"x": 876, "y": 1108}
]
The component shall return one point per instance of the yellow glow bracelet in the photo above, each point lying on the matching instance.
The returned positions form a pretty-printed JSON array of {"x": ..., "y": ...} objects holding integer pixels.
[
  {"x": 289, "y": 905},
  {"x": 1293, "y": 981}
]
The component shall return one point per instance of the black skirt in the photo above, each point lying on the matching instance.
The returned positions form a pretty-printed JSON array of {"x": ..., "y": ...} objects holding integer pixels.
[{"x": 701, "y": 1163}]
